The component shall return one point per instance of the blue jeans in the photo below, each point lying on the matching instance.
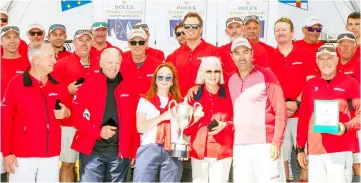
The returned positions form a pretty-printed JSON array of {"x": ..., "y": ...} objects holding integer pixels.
[
  {"x": 154, "y": 164},
  {"x": 103, "y": 168}
]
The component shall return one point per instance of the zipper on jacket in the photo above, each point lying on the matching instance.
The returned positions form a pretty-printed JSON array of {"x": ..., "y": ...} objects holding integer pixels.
[
  {"x": 47, "y": 121},
  {"x": 119, "y": 125}
]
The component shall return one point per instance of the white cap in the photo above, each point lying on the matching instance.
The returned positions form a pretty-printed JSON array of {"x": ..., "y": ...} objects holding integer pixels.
[
  {"x": 9, "y": 28},
  {"x": 3, "y": 11},
  {"x": 240, "y": 42},
  {"x": 137, "y": 33},
  {"x": 313, "y": 20},
  {"x": 36, "y": 26},
  {"x": 326, "y": 49}
]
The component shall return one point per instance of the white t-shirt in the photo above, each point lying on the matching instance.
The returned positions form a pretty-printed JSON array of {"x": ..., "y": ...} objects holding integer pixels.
[{"x": 144, "y": 106}]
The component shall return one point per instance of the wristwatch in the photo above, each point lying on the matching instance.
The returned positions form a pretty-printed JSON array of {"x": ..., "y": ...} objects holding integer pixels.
[
  {"x": 300, "y": 149},
  {"x": 298, "y": 103}
]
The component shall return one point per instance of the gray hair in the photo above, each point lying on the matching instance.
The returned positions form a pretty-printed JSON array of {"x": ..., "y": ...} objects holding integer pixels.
[
  {"x": 35, "y": 50},
  {"x": 110, "y": 51},
  {"x": 205, "y": 61}
]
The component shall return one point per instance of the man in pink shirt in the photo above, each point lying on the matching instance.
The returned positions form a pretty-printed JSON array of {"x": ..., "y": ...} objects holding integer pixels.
[{"x": 259, "y": 118}]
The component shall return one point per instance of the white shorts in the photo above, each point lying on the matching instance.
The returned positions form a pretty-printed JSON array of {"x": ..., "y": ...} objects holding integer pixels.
[
  {"x": 39, "y": 169},
  {"x": 211, "y": 170},
  {"x": 252, "y": 163},
  {"x": 331, "y": 167},
  {"x": 289, "y": 140},
  {"x": 2, "y": 169},
  {"x": 356, "y": 157},
  {"x": 67, "y": 154}
]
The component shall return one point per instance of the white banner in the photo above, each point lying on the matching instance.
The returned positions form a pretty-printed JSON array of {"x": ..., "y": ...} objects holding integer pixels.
[{"x": 121, "y": 16}]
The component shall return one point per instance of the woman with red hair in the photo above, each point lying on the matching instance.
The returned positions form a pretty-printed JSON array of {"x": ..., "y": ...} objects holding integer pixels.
[{"x": 158, "y": 130}]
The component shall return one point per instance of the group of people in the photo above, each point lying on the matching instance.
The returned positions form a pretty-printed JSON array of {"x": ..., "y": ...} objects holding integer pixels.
[{"x": 112, "y": 110}]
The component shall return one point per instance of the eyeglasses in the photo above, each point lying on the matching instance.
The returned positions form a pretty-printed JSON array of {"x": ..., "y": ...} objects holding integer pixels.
[
  {"x": 348, "y": 35},
  {"x": 99, "y": 24},
  {"x": 193, "y": 26},
  {"x": 237, "y": 19},
  {"x": 134, "y": 43},
  {"x": 251, "y": 17},
  {"x": 179, "y": 33},
  {"x": 39, "y": 33},
  {"x": 326, "y": 49},
  {"x": 143, "y": 26},
  {"x": 7, "y": 28},
  {"x": 215, "y": 72},
  {"x": 4, "y": 20},
  {"x": 312, "y": 29},
  {"x": 54, "y": 26},
  {"x": 83, "y": 31},
  {"x": 161, "y": 78}
]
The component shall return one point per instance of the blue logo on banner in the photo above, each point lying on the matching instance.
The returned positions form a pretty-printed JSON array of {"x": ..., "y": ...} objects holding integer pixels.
[
  {"x": 172, "y": 24},
  {"x": 70, "y": 4},
  {"x": 261, "y": 34},
  {"x": 121, "y": 27}
]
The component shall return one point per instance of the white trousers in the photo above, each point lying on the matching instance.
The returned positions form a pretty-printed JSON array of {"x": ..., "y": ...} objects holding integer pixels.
[
  {"x": 211, "y": 170},
  {"x": 331, "y": 167},
  {"x": 36, "y": 170},
  {"x": 252, "y": 163}
]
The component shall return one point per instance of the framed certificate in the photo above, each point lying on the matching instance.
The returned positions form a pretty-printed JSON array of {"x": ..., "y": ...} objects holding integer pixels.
[{"x": 326, "y": 116}]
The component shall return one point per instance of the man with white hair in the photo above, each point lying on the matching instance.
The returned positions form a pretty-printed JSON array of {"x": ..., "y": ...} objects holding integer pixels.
[
  {"x": 33, "y": 108},
  {"x": 36, "y": 34},
  {"x": 259, "y": 118},
  {"x": 106, "y": 135},
  {"x": 329, "y": 152}
]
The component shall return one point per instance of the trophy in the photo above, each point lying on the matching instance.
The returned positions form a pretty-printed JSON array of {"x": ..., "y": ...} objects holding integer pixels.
[{"x": 183, "y": 115}]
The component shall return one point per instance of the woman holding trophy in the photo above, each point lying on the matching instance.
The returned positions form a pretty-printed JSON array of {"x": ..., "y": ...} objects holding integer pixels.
[
  {"x": 158, "y": 129},
  {"x": 211, "y": 131}
]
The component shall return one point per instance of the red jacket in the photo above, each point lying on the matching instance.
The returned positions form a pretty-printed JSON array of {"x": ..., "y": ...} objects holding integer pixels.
[
  {"x": 28, "y": 124},
  {"x": 217, "y": 107},
  {"x": 340, "y": 88},
  {"x": 88, "y": 113}
]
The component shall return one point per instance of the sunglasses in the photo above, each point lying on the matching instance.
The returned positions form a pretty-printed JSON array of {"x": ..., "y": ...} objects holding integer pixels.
[
  {"x": 143, "y": 26},
  {"x": 179, "y": 33},
  {"x": 83, "y": 31},
  {"x": 311, "y": 29},
  {"x": 134, "y": 43},
  {"x": 4, "y": 20},
  {"x": 232, "y": 19},
  {"x": 215, "y": 72},
  {"x": 99, "y": 24},
  {"x": 161, "y": 78},
  {"x": 40, "y": 33},
  {"x": 193, "y": 26},
  {"x": 348, "y": 35},
  {"x": 7, "y": 28},
  {"x": 326, "y": 48},
  {"x": 54, "y": 26},
  {"x": 251, "y": 17}
]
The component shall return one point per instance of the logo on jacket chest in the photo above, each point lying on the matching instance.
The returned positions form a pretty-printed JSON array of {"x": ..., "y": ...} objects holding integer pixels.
[
  {"x": 149, "y": 75},
  {"x": 53, "y": 94},
  {"x": 86, "y": 114},
  {"x": 297, "y": 63},
  {"x": 339, "y": 89},
  {"x": 19, "y": 72},
  {"x": 124, "y": 95}
]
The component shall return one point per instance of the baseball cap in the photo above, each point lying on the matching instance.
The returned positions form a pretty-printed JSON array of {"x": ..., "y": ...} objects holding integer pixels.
[
  {"x": 81, "y": 32},
  {"x": 99, "y": 24},
  {"x": 240, "y": 42},
  {"x": 347, "y": 35},
  {"x": 36, "y": 26},
  {"x": 141, "y": 25},
  {"x": 3, "y": 11},
  {"x": 313, "y": 20},
  {"x": 326, "y": 49},
  {"x": 234, "y": 20},
  {"x": 137, "y": 32},
  {"x": 56, "y": 26},
  {"x": 251, "y": 18},
  {"x": 9, "y": 28}
]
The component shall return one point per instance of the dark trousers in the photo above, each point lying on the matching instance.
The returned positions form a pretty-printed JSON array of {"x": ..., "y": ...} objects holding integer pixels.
[
  {"x": 295, "y": 167},
  {"x": 4, "y": 177},
  {"x": 103, "y": 168}
]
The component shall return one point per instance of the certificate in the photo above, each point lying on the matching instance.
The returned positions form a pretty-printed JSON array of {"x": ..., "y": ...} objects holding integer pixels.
[{"x": 326, "y": 116}]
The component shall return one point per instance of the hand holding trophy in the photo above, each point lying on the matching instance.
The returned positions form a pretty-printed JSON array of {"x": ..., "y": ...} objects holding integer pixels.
[{"x": 183, "y": 115}]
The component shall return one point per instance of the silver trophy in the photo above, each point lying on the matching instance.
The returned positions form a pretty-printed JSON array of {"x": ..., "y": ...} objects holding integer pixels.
[{"x": 183, "y": 115}]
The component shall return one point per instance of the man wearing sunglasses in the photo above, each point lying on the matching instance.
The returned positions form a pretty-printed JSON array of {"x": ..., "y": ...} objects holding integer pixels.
[
  {"x": 137, "y": 65},
  {"x": 23, "y": 47},
  {"x": 100, "y": 34},
  {"x": 149, "y": 51},
  {"x": 179, "y": 33},
  {"x": 36, "y": 35},
  {"x": 329, "y": 154},
  {"x": 187, "y": 58},
  {"x": 56, "y": 37},
  {"x": 293, "y": 66},
  {"x": 353, "y": 25},
  {"x": 234, "y": 30}
]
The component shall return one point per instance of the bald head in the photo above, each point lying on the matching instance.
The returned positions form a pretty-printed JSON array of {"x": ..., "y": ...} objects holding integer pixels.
[
  {"x": 42, "y": 57},
  {"x": 110, "y": 61}
]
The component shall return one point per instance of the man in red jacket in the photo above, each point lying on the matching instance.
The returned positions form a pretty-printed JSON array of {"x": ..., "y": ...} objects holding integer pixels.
[
  {"x": 57, "y": 36},
  {"x": 329, "y": 154},
  {"x": 32, "y": 110},
  {"x": 106, "y": 134}
]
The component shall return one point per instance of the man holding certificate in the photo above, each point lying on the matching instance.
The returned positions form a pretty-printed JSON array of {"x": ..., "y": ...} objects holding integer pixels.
[{"x": 325, "y": 123}]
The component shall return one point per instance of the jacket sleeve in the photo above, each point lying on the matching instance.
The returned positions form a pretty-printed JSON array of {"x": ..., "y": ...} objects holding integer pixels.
[
  {"x": 354, "y": 124},
  {"x": 82, "y": 117},
  {"x": 276, "y": 99},
  {"x": 135, "y": 136},
  {"x": 8, "y": 111},
  {"x": 304, "y": 118}
]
